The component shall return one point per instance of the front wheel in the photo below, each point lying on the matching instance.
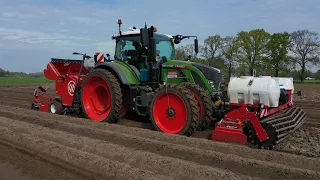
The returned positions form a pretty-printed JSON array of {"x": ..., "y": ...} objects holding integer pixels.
[
  {"x": 174, "y": 110},
  {"x": 101, "y": 96}
]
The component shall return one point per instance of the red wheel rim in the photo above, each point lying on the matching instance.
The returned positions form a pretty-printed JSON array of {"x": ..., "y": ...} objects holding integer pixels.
[
  {"x": 199, "y": 104},
  {"x": 96, "y": 98},
  {"x": 174, "y": 124}
]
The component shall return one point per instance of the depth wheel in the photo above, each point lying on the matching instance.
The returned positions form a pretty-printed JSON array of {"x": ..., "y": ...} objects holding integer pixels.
[
  {"x": 174, "y": 110},
  {"x": 34, "y": 107},
  {"x": 204, "y": 102},
  {"x": 55, "y": 107},
  {"x": 101, "y": 96}
]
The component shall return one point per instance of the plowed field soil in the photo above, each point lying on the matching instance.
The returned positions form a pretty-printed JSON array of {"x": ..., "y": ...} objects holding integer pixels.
[{"x": 37, "y": 145}]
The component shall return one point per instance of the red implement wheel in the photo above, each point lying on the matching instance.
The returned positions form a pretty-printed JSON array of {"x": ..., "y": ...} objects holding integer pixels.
[
  {"x": 174, "y": 110},
  {"x": 205, "y": 104},
  {"x": 101, "y": 96},
  {"x": 55, "y": 107}
]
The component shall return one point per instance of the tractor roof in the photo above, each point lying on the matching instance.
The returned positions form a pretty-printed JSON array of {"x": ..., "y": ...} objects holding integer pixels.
[{"x": 136, "y": 32}]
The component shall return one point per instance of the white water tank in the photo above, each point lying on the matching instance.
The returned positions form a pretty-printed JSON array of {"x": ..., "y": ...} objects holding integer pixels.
[
  {"x": 254, "y": 90},
  {"x": 237, "y": 89},
  {"x": 285, "y": 83}
]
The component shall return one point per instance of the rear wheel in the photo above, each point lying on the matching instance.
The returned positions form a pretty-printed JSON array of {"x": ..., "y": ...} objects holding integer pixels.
[
  {"x": 55, "y": 107},
  {"x": 204, "y": 102},
  {"x": 174, "y": 110},
  {"x": 101, "y": 96}
]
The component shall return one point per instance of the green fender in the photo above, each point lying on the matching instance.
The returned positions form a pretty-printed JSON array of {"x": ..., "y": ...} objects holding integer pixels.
[
  {"x": 128, "y": 75},
  {"x": 186, "y": 70}
]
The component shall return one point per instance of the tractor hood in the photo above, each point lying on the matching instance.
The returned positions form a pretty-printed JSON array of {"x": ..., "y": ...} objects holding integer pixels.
[{"x": 210, "y": 73}]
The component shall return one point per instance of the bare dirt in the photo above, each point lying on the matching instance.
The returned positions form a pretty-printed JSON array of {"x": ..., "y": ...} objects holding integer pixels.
[
  {"x": 310, "y": 92},
  {"x": 37, "y": 145}
]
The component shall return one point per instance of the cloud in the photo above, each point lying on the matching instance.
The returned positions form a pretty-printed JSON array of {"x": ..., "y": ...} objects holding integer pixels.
[
  {"x": 87, "y": 20},
  {"x": 106, "y": 47},
  {"x": 38, "y": 37},
  {"x": 17, "y": 15},
  {"x": 57, "y": 28}
]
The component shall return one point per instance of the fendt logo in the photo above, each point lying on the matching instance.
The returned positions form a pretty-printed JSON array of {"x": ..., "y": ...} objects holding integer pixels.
[{"x": 71, "y": 87}]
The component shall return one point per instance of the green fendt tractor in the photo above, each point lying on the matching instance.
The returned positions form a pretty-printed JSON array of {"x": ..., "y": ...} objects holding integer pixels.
[{"x": 178, "y": 96}]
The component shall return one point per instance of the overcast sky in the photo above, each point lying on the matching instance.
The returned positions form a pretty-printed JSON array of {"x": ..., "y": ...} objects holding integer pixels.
[{"x": 33, "y": 31}]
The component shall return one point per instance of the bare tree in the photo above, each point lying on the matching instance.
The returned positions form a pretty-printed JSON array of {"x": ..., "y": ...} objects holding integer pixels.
[
  {"x": 230, "y": 49},
  {"x": 180, "y": 53},
  {"x": 183, "y": 52},
  {"x": 211, "y": 47},
  {"x": 277, "y": 59},
  {"x": 252, "y": 47},
  {"x": 306, "y": 47}
]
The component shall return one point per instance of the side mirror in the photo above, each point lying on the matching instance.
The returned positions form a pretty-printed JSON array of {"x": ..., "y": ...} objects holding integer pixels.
[
  {"x": 177, "y": 39},
  {"x": 196, "y": 46}
]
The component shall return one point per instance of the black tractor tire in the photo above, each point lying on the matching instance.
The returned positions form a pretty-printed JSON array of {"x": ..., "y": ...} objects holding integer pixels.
[
  {"x": 192, "y": 109},
  {"x": 205, "y": 102},
  {"x": 57, "y": 105},
  {"x": 115, "y": 90},
  {"x": 125, "y": 90}
]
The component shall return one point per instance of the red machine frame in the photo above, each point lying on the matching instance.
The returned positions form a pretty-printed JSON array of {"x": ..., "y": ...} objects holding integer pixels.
[
  {"x": 230, "y": 129},
  {"x": 65, "y": 74},
  {"x": 42, "y": 100}
]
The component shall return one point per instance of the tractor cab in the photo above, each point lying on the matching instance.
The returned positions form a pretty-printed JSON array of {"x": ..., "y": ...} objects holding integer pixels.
[
  {"x": 148, "y": 53},
  {"x": 131, "y": 50}
]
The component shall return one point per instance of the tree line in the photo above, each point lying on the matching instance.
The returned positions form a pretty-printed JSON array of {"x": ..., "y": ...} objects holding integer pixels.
[
  {"x": 4, "y": 73},
  {"x": 258, "y": 51}
]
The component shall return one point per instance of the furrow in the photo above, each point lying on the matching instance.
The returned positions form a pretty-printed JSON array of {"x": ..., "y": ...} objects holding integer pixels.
[
  {"x": 87, "y": 164},
  {"x": 16, "y": 104},
  {"x": 204, "y": 157},
  {"x": 312, "y": 124},
  {"x": 55, "y": 121},
  {"x": 16, "y": 165},
  {"x": 166, "y": 166}
]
